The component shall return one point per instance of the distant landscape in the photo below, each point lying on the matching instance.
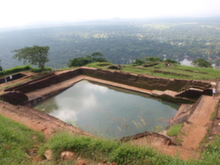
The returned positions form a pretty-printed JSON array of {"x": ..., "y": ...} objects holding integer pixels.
[{"x": 121, "y": 41}]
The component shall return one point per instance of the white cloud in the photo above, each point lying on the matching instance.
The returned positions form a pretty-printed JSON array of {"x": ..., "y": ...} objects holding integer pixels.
[{"x": 22, "y": 12}]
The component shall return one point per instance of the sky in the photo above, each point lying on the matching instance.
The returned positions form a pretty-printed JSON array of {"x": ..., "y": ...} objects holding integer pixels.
[{"x": 15, "y": 13}]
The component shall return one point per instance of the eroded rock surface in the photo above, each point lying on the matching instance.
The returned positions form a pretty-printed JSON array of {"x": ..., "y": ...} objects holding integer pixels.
[{"x": 14, "y": 97}]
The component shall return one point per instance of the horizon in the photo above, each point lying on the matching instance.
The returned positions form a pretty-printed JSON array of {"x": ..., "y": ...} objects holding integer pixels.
[
  {"x": 97, "y": 22},
  {"x": 25, "y": 13}
]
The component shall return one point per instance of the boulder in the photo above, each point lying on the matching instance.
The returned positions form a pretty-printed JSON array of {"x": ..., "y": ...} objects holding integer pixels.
[
  {"x": 48, "y": 154},
  {"x": 65, "y": 155}
]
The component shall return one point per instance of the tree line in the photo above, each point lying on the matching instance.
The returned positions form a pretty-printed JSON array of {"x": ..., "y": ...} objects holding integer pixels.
[{"x": 38, "y": 55}]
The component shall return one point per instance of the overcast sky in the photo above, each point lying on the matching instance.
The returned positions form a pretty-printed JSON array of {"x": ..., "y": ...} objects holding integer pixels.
[{"x": 25, "y": 12}]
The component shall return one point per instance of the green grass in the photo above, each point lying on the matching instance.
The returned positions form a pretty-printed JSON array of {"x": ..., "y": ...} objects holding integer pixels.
[
  {"x": 174, "y": 130},
  {"x": 173, "y": 71},
  {"x": 21, "y": 68},
  {"x": 15, "y": 141},
  {"x": 211, "y": 154},
  {"x": 15, "y": 70},
  {"x": 100, "y": 65},
  {"x": 98, "y": 149}
]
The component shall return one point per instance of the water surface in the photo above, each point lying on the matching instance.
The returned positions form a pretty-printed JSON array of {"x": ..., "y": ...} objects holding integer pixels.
[{"x": 107, "y": 111}]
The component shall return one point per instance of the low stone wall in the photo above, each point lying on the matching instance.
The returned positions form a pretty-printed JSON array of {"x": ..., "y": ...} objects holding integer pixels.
[
  {"x": 11, "y": 77},
  {"x": 141, "y": 81}
]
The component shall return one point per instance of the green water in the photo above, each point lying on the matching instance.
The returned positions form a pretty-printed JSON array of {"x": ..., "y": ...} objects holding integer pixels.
[{"x": 108, "y": 112}]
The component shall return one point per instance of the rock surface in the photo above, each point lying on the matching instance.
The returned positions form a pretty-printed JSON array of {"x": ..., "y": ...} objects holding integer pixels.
[{"x": 14, "y": 97}]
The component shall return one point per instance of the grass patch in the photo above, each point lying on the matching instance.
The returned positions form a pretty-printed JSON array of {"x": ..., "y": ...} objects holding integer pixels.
[
  {"x": 102, "y": 149},
  {"x": 97, "y": 149},
  {"x": 15, "y": 70},
  {"x": 174, "y": 130},
  {"x": 38, "y": 70},
  {"x": 161, "y": 70},
  {"x": 15, "y": 141},
  {"x": 100, "y": 65},
  {"x": 21, "y": 68},
  {"x": 211, "y": 154},
  {"x": 214, "y": 113}
]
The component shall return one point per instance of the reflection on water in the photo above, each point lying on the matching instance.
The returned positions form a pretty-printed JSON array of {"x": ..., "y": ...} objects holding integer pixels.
[{"x": 108, "y": 112}]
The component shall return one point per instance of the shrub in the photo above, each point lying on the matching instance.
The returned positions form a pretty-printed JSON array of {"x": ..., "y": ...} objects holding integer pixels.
[
  {"x": 174, "y": 130},
  {"x": 14, "y": 70}
]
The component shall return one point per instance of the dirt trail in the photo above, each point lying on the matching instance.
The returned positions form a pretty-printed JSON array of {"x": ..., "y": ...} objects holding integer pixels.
[
  {"x": 36, "y": 120},
  {"x": 191, "y": 135},
  {"x": 199, "y": 122}
]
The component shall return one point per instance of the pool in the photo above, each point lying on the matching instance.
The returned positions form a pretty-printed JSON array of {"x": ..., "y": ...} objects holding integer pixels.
[{"x": 107, "y": 111}]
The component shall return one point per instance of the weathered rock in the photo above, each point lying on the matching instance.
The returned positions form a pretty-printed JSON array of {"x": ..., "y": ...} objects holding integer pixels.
[
  {"x": 65, "y": 155},
  {"x": 153, "y": 135},
  {"x": 48, "y": 154},
  {"x": 14, "y": 97},
  {"x": 182, "y": 114}
]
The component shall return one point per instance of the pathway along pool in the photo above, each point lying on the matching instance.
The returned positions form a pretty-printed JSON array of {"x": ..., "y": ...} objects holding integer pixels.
[{"x": 107, "y": 111}]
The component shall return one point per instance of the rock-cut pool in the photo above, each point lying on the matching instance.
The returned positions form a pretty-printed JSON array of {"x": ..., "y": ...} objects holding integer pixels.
[{"x": 107, "y": 111}]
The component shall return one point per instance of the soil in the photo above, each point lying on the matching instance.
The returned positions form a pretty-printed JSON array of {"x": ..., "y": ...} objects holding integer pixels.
[
  {"x": 192, "y": 133},
  {"x": 36, "y": 120}
]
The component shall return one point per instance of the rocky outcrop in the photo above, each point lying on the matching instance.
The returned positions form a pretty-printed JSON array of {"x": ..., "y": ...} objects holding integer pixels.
[
  {"x": 183, "y": 113},
  {"x": 14, "y": 97},
  {"x": 151, "y": 135}
]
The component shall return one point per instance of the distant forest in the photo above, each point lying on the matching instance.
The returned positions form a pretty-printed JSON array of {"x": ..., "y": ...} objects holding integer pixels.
[{"x": 120, "y": 41}]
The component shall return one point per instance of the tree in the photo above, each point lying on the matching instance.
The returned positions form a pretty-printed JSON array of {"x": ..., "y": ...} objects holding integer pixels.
[
  {"x": 81, "y": 61},
  {"x": 153, "y": 59},
  {"x": 36, "y": 55},
  {"x": 98, "y": 57},
  {"x": 138, "y": 62},
  {"x": 171, "y": 61},
  {"x": 202, "y": 63},
  {"x": 1, "y": 65}
]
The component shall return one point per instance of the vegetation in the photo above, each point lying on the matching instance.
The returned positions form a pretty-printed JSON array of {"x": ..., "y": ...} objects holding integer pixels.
[
  {"x": 202, "y": 63},
  {"x": 0, "y": 66},
  {"x": 101, "y": 149},
  {"x": 21, "y": 68},
  {"x": 81, "y": 61},
  {"x": 123, "y": 153},
  {"x": 36, "y": 55},
  {"x": 146, "y": 60},
  {"x": 15, "y": 142},
  {"x": 121, "y": 41},
  {"x": 174, "y": 130},
  {"x": 18, "y": 141},
  {"x": 14, "y": 70},
  {"x": 174, "y": 70},
  {"x": 211, "y": 155}
]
